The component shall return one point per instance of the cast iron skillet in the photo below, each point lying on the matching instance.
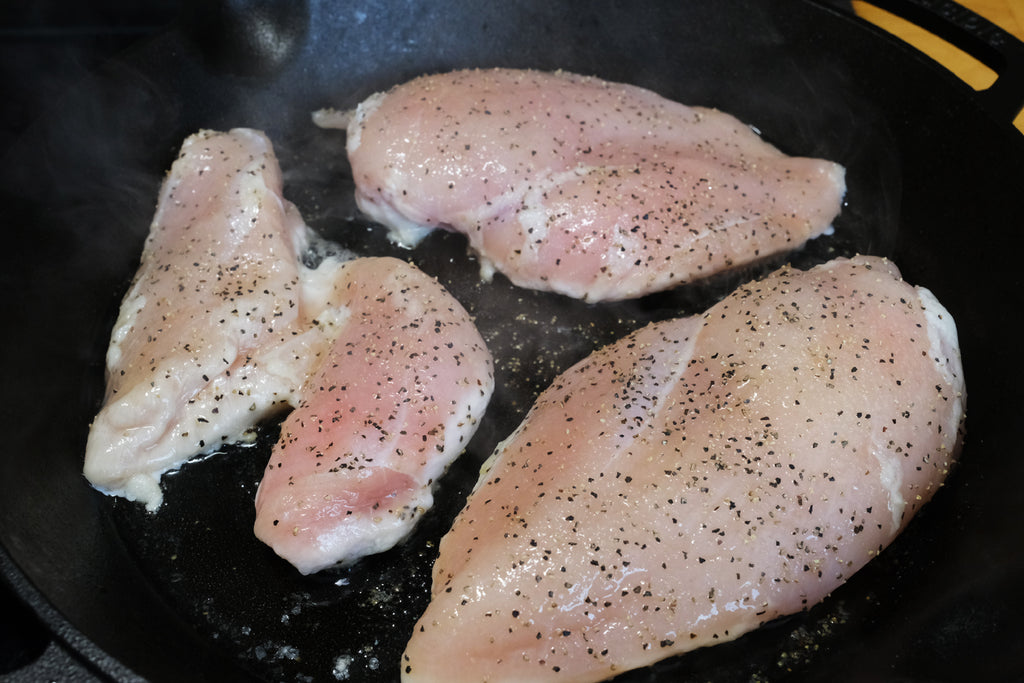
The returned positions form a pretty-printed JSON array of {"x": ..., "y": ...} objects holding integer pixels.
[{"x": 935, "y": 178}]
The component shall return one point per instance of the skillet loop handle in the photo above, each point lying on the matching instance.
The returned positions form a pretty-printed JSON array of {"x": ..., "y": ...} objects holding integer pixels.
[{"x": 980, "y": 38}]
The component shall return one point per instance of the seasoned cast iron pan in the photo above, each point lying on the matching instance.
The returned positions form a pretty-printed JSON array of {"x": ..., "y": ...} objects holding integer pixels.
[{"x": 935, "y": 175}]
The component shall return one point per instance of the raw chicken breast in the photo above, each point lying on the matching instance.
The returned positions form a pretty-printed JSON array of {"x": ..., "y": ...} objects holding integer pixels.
[
  {"x": 597, "y": 190},
  {"x": 392, "y": 404},
  {"x": 216, "y": 330},
  {"x": 699, "y": 478},
  {"x": 224, "y": 325}
]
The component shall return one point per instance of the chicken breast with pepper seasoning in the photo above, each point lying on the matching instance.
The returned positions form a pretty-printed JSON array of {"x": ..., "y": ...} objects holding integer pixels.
[
  {"x": 389, "y": 407},
  {"x": 225, "y": 324},
  {"x": 576, "y": 185},
  {"x": 216, "y": 331},
  {"x": 699, "y": 478}
]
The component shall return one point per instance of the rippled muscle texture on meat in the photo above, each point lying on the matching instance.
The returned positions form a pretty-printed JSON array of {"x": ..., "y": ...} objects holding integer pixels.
[
  {"x": 216, "y": 330},
  {"x": 699, "y": 478},
  {"x": 391, "y": 405},
  {"x": 592, "y": 189}
]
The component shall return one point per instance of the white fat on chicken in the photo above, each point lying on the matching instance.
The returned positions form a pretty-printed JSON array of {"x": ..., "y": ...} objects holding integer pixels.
[{"x": 699, "y": 478}]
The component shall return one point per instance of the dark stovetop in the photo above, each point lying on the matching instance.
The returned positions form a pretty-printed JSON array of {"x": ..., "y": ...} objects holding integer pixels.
[{"x": 46, "y": 46}]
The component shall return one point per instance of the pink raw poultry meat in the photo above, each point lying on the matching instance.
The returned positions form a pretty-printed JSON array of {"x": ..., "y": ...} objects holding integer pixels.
[
  {"x": 387, "y": 409},
  {"x": 593, "y": 189},
  {"x": 216, "y": 331},
  {"x": 224, "y": 325},
  {"x": 699, "y": 478}
]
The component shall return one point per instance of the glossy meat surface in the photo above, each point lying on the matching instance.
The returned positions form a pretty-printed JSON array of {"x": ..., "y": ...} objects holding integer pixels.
[
  {"x": 216, "y": 330},
  {"x": 596, "y": 190},
  {"x": 388, "y": 408},
  {"x": 699, "y": 478}
]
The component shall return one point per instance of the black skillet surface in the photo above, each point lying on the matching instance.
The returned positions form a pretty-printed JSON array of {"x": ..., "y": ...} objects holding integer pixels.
[{"x": 188, "y": 594}]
